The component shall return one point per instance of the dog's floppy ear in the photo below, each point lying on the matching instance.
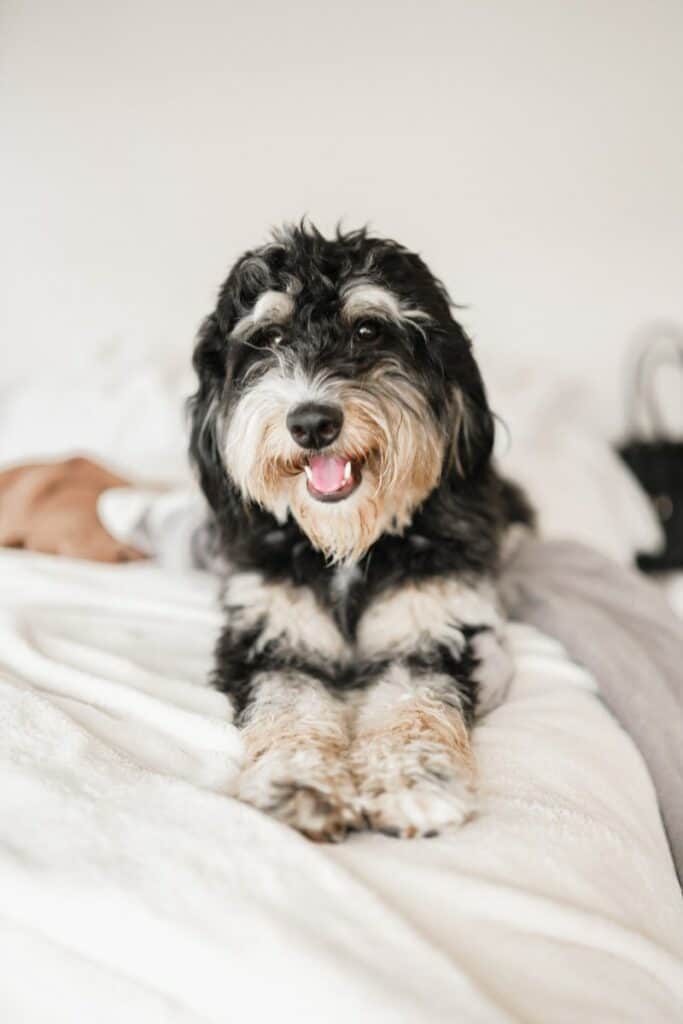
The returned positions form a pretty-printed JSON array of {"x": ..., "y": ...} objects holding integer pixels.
[
  {"x": 474, "y": 428},
  {"x": 204, "y": 407},
  {"x": 248, "y": 277}
]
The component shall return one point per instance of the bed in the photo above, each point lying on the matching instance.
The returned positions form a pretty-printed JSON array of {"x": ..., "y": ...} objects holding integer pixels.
[{"x": 134, "y": 888}]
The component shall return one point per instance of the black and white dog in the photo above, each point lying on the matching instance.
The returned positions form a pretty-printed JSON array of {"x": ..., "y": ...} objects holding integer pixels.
[{"x": 343, "y": 440}]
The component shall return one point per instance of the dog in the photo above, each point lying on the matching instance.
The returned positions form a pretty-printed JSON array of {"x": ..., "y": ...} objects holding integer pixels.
[{"x": 342, "y": 437}]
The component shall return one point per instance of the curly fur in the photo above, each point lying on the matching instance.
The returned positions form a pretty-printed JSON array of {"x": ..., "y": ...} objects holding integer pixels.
[{"x": 375, "y": 608}]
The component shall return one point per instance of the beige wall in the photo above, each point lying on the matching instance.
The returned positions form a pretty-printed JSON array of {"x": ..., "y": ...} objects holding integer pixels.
[{"x": 533, "y": 151}]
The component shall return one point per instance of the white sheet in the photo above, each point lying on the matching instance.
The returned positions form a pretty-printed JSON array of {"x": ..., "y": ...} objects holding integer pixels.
[
  {"x": 673, "y": 588},
  {"x": 133, "y": 889}
]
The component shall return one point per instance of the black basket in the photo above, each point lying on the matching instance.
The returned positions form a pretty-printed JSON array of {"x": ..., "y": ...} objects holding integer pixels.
[{"x": 652, "y": 454}]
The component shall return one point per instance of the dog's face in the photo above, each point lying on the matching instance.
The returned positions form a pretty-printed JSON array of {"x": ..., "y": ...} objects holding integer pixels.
[{"x": 336, "y": 386}]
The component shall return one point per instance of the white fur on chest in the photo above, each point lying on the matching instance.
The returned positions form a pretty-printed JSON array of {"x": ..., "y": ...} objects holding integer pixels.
[
  {"x": 417, "y": 615},
  {"x": 289, "y": 614}
]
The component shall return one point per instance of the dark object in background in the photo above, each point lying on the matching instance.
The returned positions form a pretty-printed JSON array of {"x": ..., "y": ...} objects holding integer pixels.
[{"x": 652, "y": 454}]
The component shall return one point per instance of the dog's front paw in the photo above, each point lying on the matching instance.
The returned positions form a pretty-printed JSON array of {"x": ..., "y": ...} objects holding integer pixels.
[
  {"x": 414, "y": 789},
  {"x": 421, "y": 807},
  {"x": 316, "y": 797}
]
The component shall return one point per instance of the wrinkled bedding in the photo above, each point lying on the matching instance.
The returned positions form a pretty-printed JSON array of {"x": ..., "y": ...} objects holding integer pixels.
[
  {"x": 132, "y": 887},
  {"x": 611, "y": 619},
  {"x": 620, "y": 626}
]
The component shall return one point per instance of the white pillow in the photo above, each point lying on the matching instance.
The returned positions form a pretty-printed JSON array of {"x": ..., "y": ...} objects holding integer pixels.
[
  {"x": 121, "y": 405},
  {"x": 557, "y": 448}
]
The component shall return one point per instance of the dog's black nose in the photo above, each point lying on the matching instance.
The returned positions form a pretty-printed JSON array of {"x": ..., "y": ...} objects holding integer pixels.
[{"x": 313, "y": 425}]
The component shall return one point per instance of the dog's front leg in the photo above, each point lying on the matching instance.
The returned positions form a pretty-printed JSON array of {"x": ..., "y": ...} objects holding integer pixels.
[
  {"x": 435, "y": 651},
  {"x": 277, "y": 658}
]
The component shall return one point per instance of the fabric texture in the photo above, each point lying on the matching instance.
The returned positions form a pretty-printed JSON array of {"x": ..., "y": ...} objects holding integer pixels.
[
  {"x": 610, "y": 619},
  {"x": 621, "y": 628},
  {"x": 133, "y": 888}
]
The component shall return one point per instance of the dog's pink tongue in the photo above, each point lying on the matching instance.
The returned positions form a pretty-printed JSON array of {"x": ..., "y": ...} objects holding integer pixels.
[{"x": 327, "y": 473}]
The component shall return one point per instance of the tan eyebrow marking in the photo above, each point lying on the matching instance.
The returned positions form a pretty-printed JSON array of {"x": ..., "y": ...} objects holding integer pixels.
[
  {"x": 363, "y": 297},
  {"x": 270, "y": 307}
]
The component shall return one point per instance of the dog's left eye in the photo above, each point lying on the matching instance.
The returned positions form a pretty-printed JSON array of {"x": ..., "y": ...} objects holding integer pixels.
[
  {"x": 367, "y": 330},
  {"x": 273, "y": 335}
]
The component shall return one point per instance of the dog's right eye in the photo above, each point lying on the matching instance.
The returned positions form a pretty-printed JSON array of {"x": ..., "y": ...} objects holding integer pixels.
[
  {"x": 273, "y": 335},
  {"x": 367, "y": 330}
]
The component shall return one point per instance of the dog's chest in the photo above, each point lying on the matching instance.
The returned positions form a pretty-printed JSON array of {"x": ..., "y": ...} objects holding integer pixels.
[{"x": 346, "y": 588}]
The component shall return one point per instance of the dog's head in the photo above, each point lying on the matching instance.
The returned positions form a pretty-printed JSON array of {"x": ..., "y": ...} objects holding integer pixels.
[{"x": 335, "y": 386}]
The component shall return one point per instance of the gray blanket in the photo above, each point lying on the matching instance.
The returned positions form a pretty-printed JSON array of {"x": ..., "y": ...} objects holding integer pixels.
[
  {"x": 619, "y": 626},
  {"x": 612, "y": 620}
]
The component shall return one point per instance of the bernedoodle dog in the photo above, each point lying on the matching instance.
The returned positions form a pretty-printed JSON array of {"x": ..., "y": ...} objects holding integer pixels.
[{"x": 343, "y": 439}]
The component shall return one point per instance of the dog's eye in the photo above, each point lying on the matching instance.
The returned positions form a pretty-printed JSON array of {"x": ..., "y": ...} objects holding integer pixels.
[
  {"x": 273, "y": 335},
  {"x": 367, "y": 330}
]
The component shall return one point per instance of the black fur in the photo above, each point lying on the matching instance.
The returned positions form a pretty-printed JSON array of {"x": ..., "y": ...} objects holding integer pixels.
[{"x": 458, "y": 528}]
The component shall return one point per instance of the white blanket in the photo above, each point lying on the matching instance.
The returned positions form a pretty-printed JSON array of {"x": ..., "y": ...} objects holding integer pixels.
[{"x": 132, "y": 888}]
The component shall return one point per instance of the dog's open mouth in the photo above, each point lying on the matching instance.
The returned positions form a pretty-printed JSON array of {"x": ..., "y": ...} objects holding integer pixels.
[{"x": 332, "y": 477}]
